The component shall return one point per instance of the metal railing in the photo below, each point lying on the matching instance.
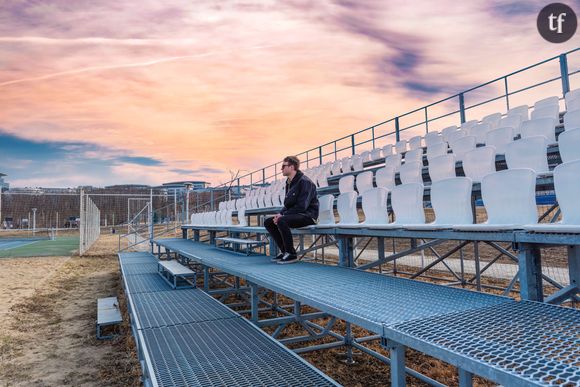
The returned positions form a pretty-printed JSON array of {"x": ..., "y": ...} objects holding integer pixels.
[{"x": 393, "y": 127}]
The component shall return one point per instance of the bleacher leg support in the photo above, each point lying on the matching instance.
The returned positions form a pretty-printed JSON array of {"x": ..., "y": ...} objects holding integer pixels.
[
  {"x": 397, "y": 353},
  {"x": 205, "y": 278},
  {"x": 254, "y": 302},
  {"x": 345, "y": 252},
  {"x": 530, "y": 270},
  {"x": 465, "y": 378},
  {"x": 574, "y": 273}
]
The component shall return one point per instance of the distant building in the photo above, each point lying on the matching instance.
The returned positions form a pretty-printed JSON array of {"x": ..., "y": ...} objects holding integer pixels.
[
  {"x": 179, "y": 186},
  {"x": 3, "y": 185}
]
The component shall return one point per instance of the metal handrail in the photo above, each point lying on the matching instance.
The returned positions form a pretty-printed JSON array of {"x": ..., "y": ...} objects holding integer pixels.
[{"x": 319, "y": 155}]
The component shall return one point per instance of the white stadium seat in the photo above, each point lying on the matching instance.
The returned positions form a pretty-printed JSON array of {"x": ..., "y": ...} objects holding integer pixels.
[
  {"x": 411, "y": 172},
  {"x": 569, "y": 145},
  {"x": 549, "y": 111},
  {"x": 572, "y": 120},
  {"x": 442, "y": 167},
  {"x": 376, "y": 154},
  {"x": 401, "y": 146},
  {"x": 346, "y": 184},
  {"x": 509, "y": 198},
  {"x": 499, "y": 138},
  {"x": 433, "y": 138},
  {"x": 385, "y": 178},
  {"x": 436, "y": 150},
  {"x": 521, "y": 111},
  {"x": 540, "y": 127},
  {"x": 550, "y": 101},
  {"x": 529, "y": 153},
  {"x": 364, "y": 182},
  {"x": 415, "y": 142},
  {"x": 415, "y": 155},
  {"x": 463, "y": 145},
  {"x": 479, "y": 163},
  {"x": 567, "y": 187},
  {"x": 492, "y": 119},
  {"x": 407, "y": 203},
  {"x": 388, "y": 150},
  {"x": 451, "y": 202}
]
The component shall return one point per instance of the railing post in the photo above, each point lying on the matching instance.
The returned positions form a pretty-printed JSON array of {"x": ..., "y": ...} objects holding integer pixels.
[
  {"x": 507, "y": 93},
  {"x": 335, "y": 150},
  {"x": 564, "y": 74},
  {"x": 263, "y": 176},
  {"x": 307, "y": 157},
  {"x": 426, "y": 121},
  {"x": 373, "y": 133},
  {"x": 397, "y": 134},
  {"x": 462, "y": 108},
  {"x": 238, "y": 186},
  {"x": 320, "y": 154},
  {"x": 352, "y": 142}
]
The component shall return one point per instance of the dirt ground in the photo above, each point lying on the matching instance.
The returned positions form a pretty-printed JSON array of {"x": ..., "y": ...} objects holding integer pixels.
[
  {"x": 47, "y": 329},
  {"x": 48, "y": 315}
]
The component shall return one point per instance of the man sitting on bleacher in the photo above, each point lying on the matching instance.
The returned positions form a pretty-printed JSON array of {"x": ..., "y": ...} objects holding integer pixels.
[{"x": 300, "y": 209}]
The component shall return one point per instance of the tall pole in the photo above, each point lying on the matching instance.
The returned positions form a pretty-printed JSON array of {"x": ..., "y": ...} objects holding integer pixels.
[
  {"x": 33, "y": 221},
  {"x": 151, "y": 216},
  {"x": 175, "y": 206},
  {"x": 187, "y": 189}
]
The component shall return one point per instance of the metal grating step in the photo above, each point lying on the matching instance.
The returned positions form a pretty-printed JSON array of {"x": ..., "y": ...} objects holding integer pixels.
[
  {"x": 137, "y": 260},
  {"x": 527, "y": 340},
  {"x": 176, "y": 307},
  {"x": 140, "y": 268},
  {"x": 225, "y": 353},
  {"x": 145, "y": 283}
]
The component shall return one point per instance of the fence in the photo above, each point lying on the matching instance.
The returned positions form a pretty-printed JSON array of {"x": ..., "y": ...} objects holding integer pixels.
[{"x": 90, "y": 223}]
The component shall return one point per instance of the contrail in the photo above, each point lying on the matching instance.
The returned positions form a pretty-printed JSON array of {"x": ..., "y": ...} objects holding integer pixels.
[
  {"x": 93, "y": 40},
  {"x": 120, "y": 66}
]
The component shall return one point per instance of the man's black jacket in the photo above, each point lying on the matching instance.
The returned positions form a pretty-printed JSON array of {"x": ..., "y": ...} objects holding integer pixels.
[{"x": 301, "y": 197}]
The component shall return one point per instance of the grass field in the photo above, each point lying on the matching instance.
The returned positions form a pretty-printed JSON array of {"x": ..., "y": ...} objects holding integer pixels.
[{"x": 61, "y": 246}]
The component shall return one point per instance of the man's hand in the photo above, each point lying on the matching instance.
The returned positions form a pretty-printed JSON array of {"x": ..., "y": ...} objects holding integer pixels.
[{"x": 276, "y": 217}]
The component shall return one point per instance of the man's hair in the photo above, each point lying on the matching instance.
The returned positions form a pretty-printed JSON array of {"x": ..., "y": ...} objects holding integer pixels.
[{"x": 292, "y": 160}]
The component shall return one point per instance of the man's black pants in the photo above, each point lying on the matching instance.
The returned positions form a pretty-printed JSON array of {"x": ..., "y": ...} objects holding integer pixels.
[{"x": 281, "y": 231}]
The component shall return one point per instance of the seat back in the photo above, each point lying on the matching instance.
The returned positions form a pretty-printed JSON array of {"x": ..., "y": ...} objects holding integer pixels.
[
  {"x": 445, "y": 132},
  {"x": 509, "y": 197},
  {"x": 385, "y": 178},
  {"x": 550, "y": 111},
  {"x": 567, "y": 186},
  {"x": 222, "y": 205},
  {"x": 401, "y": 146},
  {"x": 393, "y": 161},
  {"x": 242, "y": 221},
  {"x": 469, "y": 124},
  {"x": 463, "y": 145},
  {"x": 346, "y": 206},
  {"x": 326, "y": 209},
  {"x": 572, "y": 120},
  {"x": 322, "y": 180},
  {"x": 550, "y": 101},
  {"x": 433, "y": 138},
  {"x": 364, "y": 182},
  {"x": 456, "y": 135},
  {"x": 451, "y": 200},
  {"x": 357, "y": 162},
  {"x": 414, "y": 155},
  {"x": 376, "y": 154},
  {"x": 479, "y": 131},
  {"x": 415, "y": 142},
  {"x": 374, "y": 204},
  {"x": 573, "y": 104},
  {"x": 365, "y": 156},
  {"x": 436, "y": 150},
  {"x": 228, "y": 218},
  {"x": 442, "y": 167},
  {"x": 388, "y": 150},
  {"x": 514, "y": 121},
  {"x": 521, "y": 111},
  {"x": 569, "y": 145},
  {"x": 346, "y": 184},
  {"x": 544, "y": 126},
  {"x": 411, "y": 172},
  {"x": 479, "y": 163},
  {"x": 335, "y": 169},
  {"x": 529, "y": 153},
  {"x": 492, "y": 120},
  {"x": 499, "y": 138},
  {"x": 346, "y": 164},
  {"x": 407, "y": 203}
]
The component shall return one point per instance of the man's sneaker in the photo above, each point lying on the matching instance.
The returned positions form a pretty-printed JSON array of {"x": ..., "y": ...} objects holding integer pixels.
[
  {"x": 278, "y": 257},
  {"x": 288, "y": 258}
]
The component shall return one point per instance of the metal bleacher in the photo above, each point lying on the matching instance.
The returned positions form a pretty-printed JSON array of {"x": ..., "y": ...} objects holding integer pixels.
[
  {"x": 509, "y": 342},
  {"x": 185, "y": 337}
]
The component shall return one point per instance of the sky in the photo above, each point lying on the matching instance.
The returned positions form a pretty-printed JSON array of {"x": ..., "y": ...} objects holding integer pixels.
[{"x": 146, "y": 92}]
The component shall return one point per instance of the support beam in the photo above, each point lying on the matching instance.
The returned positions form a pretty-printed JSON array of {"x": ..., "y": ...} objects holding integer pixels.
[
  {"x": 465, "y": 378},
  {"x": 345, "y": 251},
  {"x": 530, "y": 272},
  {"x": 254, "y": 301},
  {"x": 397, "y": 352},
  {"x": 392, "y": 257},
  {"x": 574, "y": 272}
]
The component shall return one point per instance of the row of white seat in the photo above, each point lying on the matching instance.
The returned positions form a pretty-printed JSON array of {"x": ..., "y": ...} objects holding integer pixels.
[
  {"x": 509, "y": 197},
  {"x": 262, "y": 197}
]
